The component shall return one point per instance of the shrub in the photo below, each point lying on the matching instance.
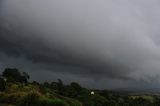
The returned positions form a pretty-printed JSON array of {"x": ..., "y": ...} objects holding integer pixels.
[
  {"x": 2, "y": 84},
  {"x": 43, "y": 101},
  {"x": 57, "y": 102},
  {"x": 30, "y": 100},
  {"x": 34, "y": 100}
]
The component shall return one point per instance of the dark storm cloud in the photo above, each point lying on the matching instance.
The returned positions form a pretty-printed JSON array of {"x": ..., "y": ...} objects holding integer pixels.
[
  {"x": 16, "y": 44},
  {"x": 105, "y": 40}
]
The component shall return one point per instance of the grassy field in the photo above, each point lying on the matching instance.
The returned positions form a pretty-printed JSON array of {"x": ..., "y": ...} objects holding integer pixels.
[{"x": 27, "y": 94}]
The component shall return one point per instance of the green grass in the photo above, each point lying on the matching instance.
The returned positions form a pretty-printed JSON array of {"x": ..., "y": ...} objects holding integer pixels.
[{"x": 32, "y": 95}]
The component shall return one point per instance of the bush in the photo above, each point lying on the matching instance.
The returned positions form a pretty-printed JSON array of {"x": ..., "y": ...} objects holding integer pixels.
[
  {"x": 2, "y": 98},
  {"x": 57, "y": 102},
  {"x": 51, "y": 102},
  {"x": 34, "y": 100},
  {"x": 2, "y": 84},
  {"x": 29, "y": 100}
]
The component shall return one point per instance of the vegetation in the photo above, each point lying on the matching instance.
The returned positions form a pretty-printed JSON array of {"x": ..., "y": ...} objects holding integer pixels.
[
  {"x": 15, "y": 90},
  {"x": 2, "y": 84},
  {"x": 13, "y": 75}
]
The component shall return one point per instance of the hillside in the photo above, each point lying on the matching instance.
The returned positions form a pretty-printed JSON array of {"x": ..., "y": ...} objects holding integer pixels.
[
  {"x": 15, "y": 90},
  {"x": 17, "y": 94}
]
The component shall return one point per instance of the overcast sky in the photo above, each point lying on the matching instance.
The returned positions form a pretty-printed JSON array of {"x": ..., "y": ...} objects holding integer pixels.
[{"x": 101, "y": 44}]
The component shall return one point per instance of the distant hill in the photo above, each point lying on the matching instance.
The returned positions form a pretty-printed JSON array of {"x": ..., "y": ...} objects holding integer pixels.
[{"x": 138, "y": 91}]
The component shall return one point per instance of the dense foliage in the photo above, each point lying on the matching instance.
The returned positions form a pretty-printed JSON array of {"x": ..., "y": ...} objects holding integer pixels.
[
  {"x": 13, "y": 75},
  {"x": 15, "y": 90}
]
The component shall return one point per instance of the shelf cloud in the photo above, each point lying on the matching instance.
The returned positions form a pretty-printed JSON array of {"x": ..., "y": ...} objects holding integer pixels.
[{"x": 96, "y": 43}]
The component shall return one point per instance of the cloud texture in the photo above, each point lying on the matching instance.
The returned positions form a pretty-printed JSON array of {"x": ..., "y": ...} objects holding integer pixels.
[{"x": 96, "y": 43}]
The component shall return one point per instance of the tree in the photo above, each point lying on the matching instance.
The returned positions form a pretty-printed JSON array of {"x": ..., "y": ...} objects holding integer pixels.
[
  {"x": 76, "y": 86},
  {"x": 25, "y": 77},
  {"x": 73, "y": 90},
  {"x": 54, "y": 85},
  {"x": 13, "y": 75},
  {"x": 46, "y": 84},
  {"x": 2, "y": 84},
  {"x": 60, "y": 87}
]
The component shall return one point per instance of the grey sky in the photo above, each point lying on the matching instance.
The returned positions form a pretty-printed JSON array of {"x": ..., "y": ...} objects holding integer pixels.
[{"x": 99, "y": 43}]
